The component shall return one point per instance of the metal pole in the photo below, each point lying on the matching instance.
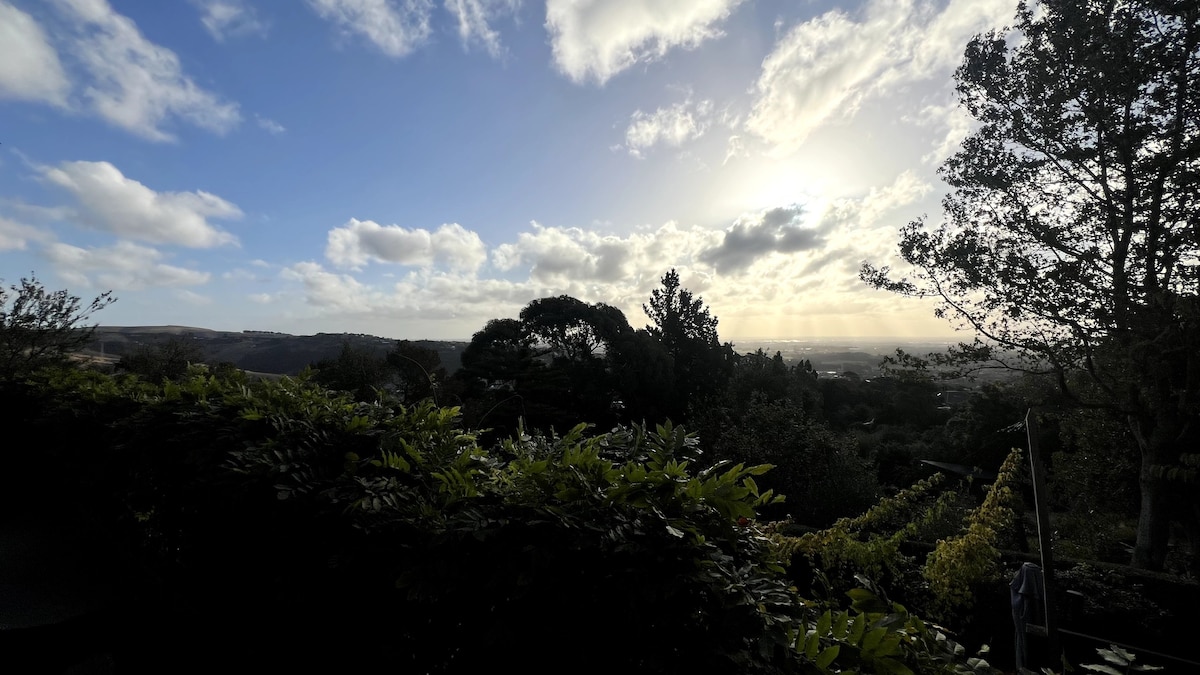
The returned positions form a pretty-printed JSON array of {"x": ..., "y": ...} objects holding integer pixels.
[{"x": 1042, "y": 507}]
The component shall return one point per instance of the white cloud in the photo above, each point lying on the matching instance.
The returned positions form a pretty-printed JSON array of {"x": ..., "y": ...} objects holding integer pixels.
[
  {"x": 395, "y": 27},
  {"x": 951, "y": 120},
  {"x": 123, "y": 266},
  {"x": 419, "y": 295},
  {"x": 136, "y": 84},
  {"x": 193, "y": 298},
  {"x": 229, "y": 18},
  {"x": 585, "y": 259},
  {"x": 596, "y": 39},
  {"x": 15, "y": 236},
  {"x": 269, "y": 125},
  {"x": 359, "y": 242},
  {"x": 823, "y": 69},
  {"x": 261, "y": 298},
  {"x": 474, "y": 17},
  {"x": 619, "y": 270},
  {"x": 109, "y": 201},
  {"x": 906, "y": 189},
  {"x": 29, "y": 65},
  {"x": 858, "y": 227},
  {"x": 340, "y": 293},
  {"x": 238, "y": 275},
  {"x": 671, "y": 126},
  {"x": 38, "y": 212},
  {"x": 941, "y": 47},
  {"x": 783, "y": 271}
]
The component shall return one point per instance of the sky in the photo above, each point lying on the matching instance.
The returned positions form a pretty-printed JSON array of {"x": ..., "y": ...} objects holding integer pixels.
[{"x": 412, "y": 168}]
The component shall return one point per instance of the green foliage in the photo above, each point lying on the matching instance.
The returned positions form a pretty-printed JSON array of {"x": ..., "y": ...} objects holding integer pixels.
[
  {"x": 878, "y": 636},
  {"x": 958, "y": 563},
  {"x": 407, "y": 372},
  {"x": 870, "y": 546},
  {"x": 820, "y": 471},
  {"x": 417, "y": 371},
  {"x": 163, "y": 361},
  {"x": 1107, "y": 596},
  {"x": 334, "y": 508},
  {"x": 564, "y": 361},
  {"x": 356, "y": 370}
]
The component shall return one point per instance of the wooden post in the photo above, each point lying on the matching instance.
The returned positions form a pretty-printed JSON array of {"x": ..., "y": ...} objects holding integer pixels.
[{"x": 1041, "y": 504}]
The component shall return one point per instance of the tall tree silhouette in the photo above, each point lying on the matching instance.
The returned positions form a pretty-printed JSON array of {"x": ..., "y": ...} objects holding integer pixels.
[{"x": 1071, "y": 240}]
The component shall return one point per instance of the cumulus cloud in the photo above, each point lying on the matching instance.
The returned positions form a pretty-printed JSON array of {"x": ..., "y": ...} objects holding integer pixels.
[
  {"x": 597, "y": 39},
  {"x": 792, "y": 229},
  {"x": 29, "y": 66},
  {"x": 395, "y": 27},
  {"x": 15, "y": 236},
  {"x": 123, "y": 266},
  {"x": 359, "y": 242},
  {"x": 474, "y": 21},
  {"x": 423, "y": 294},
  {"x": 802, "y": 263},
  {"x": 778, "y": 230},
  {"x": 134, "y": 83},
  {"x": 616, "y": 269},
  {"x": 672, "y": 126},
  {"x": 341, "y": 293},
  {"x": 111, "y": 202},
  {"x": 823, "y": 69},
  {"x": 229, "y": 18},
  {"x": 573, "y": 256}
]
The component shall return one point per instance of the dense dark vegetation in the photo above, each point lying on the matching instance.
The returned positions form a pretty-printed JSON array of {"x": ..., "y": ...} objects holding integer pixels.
[{"x": 579, "y": 490}]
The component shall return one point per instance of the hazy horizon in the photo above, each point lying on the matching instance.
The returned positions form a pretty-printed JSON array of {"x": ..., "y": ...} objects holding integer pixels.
[{"x": 750, "y": 343}]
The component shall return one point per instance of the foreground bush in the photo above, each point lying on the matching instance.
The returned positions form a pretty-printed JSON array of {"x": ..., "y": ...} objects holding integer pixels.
[{"x": 282, "y": 525}]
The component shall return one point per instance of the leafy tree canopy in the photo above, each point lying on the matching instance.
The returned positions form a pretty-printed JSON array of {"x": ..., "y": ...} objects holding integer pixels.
[
  {"x": 688, "y": 332},
  {"x": 678, "y": 316},
  {"x": 1070, "y": 241},
  {"x": 571, "y": 328},
  {"x": 40, "y": 327}
]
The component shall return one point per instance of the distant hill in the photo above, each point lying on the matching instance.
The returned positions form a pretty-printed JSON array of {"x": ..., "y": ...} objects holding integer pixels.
[{"x": 258, "y": 351}]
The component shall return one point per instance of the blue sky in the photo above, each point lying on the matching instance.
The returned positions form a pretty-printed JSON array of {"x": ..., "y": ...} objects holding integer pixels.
[{"x": 411, "y": 168}]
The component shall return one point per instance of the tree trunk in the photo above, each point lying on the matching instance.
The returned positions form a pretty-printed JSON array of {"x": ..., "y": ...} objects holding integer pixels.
[
  {"x": 1157, "y": 438},
  {"x": 1154, "y": 518}
]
